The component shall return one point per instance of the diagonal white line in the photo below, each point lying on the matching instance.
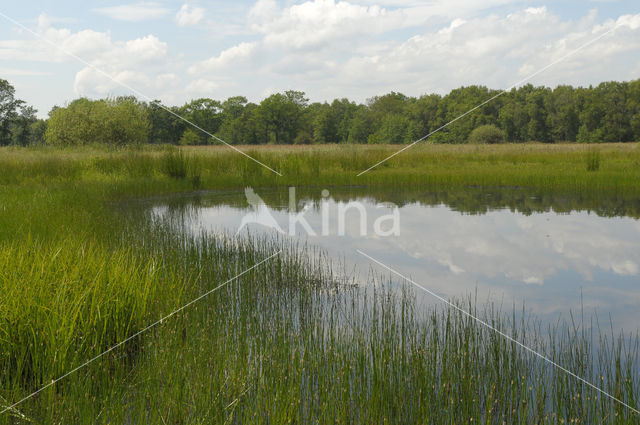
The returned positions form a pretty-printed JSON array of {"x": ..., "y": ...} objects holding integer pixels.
[
  {"x": 571, "y": 53},
  {"x": 124, "y": 341},
  {"x": 133, "y": 90},
  {"x": 502, "y": 334}
]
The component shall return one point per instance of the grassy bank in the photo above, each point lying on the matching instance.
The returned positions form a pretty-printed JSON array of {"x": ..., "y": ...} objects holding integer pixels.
[
  {"x": 287, "y": 343},
  {"x": 587, "y": 169}
]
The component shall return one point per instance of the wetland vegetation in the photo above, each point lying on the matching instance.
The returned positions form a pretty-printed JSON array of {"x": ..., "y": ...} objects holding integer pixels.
[{"x": 292, "y": 341}]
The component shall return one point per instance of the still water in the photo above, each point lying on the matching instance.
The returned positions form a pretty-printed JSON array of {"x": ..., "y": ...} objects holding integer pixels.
[{"x": 557, "y": 256}]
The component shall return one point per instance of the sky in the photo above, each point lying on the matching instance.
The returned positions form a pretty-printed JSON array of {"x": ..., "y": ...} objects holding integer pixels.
[{"x": 174, "y": 51}]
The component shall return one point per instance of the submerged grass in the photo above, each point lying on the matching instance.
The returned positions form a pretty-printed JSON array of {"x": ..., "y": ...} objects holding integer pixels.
[{"x": 289, "y": 342}]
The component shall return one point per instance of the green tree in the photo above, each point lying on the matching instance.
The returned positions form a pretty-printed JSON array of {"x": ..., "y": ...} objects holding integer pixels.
[
  {"x": 118, "y": 121},
  {"x": 234, "y": 120},
  {"x": 462, "y": 100},
  {"x": 424, "y": 115},
  {"x": 633, "y": 106},
  {"x": 616, "y": 121},
  {"x": 324, "y": 124},
  {"x": 165, "y": 125},
  {"x": 190, "y": 137},
  {"x": 393, "y": 129},
  {"x": 344, "y": 111},
  {"x": 36, "y": 131},
  {"x": 513, "y": 116},
  {"x": 537, "y": 128},
  {"x": 281, "y": 116},
  {"x": 591, "y": 117},
  {"x": 609, "y": 112},
  {"x": 22, "y": 130},
  {"x": 563, "y": 120},
  {"x": 361, "y": 125},
  {"x": 9, "y": 107},
  {"x": 125, "y": 121},
  {"x": 206, "y": 114}
]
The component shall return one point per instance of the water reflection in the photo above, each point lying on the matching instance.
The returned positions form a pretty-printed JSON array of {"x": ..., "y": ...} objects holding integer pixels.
[{"x": 554, "y": 253}]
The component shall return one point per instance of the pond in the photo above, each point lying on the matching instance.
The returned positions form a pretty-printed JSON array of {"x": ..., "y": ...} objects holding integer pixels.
[{"x": 556, "y": 255}]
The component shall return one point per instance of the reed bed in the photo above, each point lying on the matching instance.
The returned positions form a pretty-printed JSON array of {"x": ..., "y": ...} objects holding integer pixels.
[
  {"x": 294, "y": 343},
  {"x": 290, "y": 342},
  {"x": 568, "y": 168}
]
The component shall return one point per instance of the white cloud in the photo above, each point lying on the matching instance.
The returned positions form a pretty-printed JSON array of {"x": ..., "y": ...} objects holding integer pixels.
[
  {"x": 202, "y": 88},
  {"x": 135, "y": 63},
  {"x": 314, "y": 24},
  {"x": 84, "y": 43},
  {"x": 189, "y": 16},
  {"x": 354, "y": 49},
  {"x": 140, "y": 63},
  {"x": 10, "y": 72},
  {"x": 326, "y": 47},
  {"x": 135, "y": 12},
  {"x": 234, "y": 56},
  {"x": 630, "y": 21}
]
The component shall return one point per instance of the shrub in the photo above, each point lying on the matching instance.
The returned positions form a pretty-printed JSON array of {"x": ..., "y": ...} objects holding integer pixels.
[
  {"x": 190, "y": 137},
  {"x": 488, "y": 133},
  {"x": 118, "y": 121},
  {"x": 303, "y": 138}
]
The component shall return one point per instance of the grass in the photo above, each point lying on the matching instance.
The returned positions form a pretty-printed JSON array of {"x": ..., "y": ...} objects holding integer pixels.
[
  {"x": 554, "y": 168},
  {"x": 593, "y": 160},
  {"x": 290, "y": 342}
]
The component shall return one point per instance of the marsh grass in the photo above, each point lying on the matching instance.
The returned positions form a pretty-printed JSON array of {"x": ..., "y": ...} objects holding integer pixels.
[
  {"x": 291, "y": 342},
  {"x": 553, "y": 168},
  {"x": 593, "y": 160}
]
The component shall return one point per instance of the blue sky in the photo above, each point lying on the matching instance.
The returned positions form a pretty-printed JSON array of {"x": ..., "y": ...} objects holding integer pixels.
[{"x": 176, "y": 51}]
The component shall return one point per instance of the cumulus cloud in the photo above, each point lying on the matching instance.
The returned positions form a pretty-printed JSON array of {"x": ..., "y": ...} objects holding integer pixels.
[
  {"x": 10, "y": 72},
  {"x": 237, "y": 55},
  {"x": 354, "y": 48},
  {"x": 135, "y": 12},
  {"x": 316, "y": 23},
  {"x": 202, "y": 88},
  {"x": 133, "y": 62},
  {"x": 81, "y": 43},
  {"x": 189, "y": 15},
  {"x": 139, "y": 63},
  {"x": 327, "y": 46}
]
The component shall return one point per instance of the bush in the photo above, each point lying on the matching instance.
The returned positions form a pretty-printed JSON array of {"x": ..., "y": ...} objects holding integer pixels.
[
  {"x": 117, "y": 122},
  {"x": 303, "y": 138},
  {"x": 190, "y": 137},
  {"x": 488, "y": 133}
]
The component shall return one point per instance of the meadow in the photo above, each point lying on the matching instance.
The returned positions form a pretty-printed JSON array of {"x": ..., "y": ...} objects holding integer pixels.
[{"x": 291, "y": 341}]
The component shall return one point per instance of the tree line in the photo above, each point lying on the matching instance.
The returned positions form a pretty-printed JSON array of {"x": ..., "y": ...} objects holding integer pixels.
[{"x": 609, "y": 112}]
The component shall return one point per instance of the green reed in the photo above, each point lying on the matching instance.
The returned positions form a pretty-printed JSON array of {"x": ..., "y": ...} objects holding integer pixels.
[
  {"x": 554, "y": 168},
  {"x": 292, "y": 341}
]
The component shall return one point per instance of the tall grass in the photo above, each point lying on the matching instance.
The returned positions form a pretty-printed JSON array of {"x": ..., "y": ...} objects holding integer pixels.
[
  {"x": 593, "y": 160},
  {"x": 291, "y": 342},
  {"x": 555, "y": 168}
]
